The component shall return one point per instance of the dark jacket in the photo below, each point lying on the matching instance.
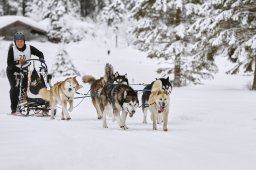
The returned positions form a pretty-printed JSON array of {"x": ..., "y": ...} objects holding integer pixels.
[{"x": 11, "y": 64}]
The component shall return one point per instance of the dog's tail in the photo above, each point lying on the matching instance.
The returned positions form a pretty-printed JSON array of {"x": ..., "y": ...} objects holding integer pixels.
[
  {"x": 88, "y": 79},
  {"x": 45, "y": 94},
  {"x": 109, "y": 72},
  {"x": 157, "y": 86}
]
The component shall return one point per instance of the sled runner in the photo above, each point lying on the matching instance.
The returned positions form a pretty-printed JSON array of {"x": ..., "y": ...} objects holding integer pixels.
[{"x": 29, "y": 100}]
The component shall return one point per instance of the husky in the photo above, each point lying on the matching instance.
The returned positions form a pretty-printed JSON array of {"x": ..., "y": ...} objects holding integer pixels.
[
  {"x": 116, "y": 98},
  {"x": 159, "y": 104},
  {"x": 166, "y": 85},
  {"x": 61, "y": 93},
  {"x": 121, "y": 79},
  {"x": 97, "y": 85}
]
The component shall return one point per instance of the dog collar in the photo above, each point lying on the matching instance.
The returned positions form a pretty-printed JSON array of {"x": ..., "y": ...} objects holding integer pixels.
[{"x": 67, "y": 96}]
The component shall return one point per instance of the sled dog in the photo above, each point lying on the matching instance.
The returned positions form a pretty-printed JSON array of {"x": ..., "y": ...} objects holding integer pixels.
[
  {"x": 61, "y": 93},
  {"x": 116, "y": 98},
  {"x": 159, "y": 104},
  {"x": 97, "y": 85},
  {"x": 166, "y": 85}
]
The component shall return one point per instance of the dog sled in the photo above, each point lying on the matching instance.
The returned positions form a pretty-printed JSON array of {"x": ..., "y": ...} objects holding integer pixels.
[{"x": 29, "y": 102}]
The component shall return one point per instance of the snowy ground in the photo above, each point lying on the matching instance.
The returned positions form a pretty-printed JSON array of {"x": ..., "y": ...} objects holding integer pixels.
[{"x": 211, "y": 126}]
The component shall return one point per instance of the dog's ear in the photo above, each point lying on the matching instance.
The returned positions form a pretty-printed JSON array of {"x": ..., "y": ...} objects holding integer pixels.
[
  {"x": 167, "y": 78},
  {"x": 116, "y": 74},
  {"x": 79, "y": 87},
  {"x": 125, "y": 94},
  {"x": 125, "y": 76}
]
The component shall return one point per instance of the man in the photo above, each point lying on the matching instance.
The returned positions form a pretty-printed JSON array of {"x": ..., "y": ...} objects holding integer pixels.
[{"x": 17, "y": 56}]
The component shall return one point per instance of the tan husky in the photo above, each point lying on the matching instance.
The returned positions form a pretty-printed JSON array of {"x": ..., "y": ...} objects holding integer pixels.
[
  {"x": 61, "y": 93},
  {"x": 159, "y": 104}
]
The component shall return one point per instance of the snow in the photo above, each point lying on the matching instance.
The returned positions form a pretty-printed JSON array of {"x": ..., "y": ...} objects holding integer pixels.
[
  {"x": 7, "y": 20},
  {"x": 211, "y": 126}
]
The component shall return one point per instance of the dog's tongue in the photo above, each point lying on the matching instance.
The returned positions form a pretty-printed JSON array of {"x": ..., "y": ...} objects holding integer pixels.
[
  {"x": 130, "y": 114},
  {"x": 161, "y": 109}
]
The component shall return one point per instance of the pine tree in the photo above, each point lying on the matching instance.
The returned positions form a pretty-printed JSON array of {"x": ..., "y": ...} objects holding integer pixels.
[
  {"x": 60, "y": 13},
  {"x": 229, "y": 28},
  {"x": 162, "y": 31},
  {"x": 37, "y": 9},
  {"x": 91, "y": 8},
  {"x": 10, "y": 7},
  {"x": 1, "y": 8},
  {"x": 113, "y": 14},
  {"x": 63, "y": 64}
]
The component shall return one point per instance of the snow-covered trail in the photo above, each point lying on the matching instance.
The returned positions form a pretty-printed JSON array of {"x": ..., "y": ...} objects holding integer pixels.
[
  {"x": 208, "y": 129},
  {"x": 211, "y": 126}
]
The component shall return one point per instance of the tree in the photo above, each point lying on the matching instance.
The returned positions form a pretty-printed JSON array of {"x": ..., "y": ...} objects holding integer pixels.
[
  {"x": 91, "y": 8},
  {"x": 162, "y": 31},
  {"x": 60, "y": 13},
  {"x": 37, "y": 9},
  {"x": 63, "y": 64},
  {"x": 229, "y": 28},
  {"x": 113, "y": 14},
  {"x": 10, "y": 7}
]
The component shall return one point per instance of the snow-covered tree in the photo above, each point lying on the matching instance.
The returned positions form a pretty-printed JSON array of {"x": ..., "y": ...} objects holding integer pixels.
[
  {"x": 10, "y": 7},
  {"x": 61, "y": 15},
  {"x": 37, "y": 9},
  {"x": 91, "y": 8},
  {"x": 113, "y": 13},
  {"x": 63, "y": 65},
  {"x": 162, "y": 31},
  {"x": 1, "y": 9},
  {"x": 114, "y": 17},
  {"x": 229, "y": 30}
]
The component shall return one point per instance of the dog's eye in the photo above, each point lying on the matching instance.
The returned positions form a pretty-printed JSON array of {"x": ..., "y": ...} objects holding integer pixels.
[{"x": 161, "y": 99}]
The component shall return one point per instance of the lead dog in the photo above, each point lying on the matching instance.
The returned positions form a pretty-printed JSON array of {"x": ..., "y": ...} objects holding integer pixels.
[
  {"x": 159, "y": 104},
  {"x": 166, "y": 85},
  {"x": 61, "y": 93}
]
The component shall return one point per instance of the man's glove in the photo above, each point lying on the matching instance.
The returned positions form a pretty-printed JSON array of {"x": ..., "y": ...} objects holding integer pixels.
[{"x": 41, "y": 60}]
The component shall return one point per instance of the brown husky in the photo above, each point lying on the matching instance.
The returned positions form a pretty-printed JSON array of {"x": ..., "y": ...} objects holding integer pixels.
[
  {"x": 159, "y": 104},
  {"x": 97, "y": 85},
  {"x": 61, "y": 93}
]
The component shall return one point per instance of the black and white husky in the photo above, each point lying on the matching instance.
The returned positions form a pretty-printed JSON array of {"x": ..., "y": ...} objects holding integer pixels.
[
  {"x": 166, "y": 85},
  {"x": 116, "y": 98}
]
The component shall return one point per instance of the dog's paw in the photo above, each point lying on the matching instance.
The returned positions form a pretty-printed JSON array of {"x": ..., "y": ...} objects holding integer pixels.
[
  {"x": 68, "y": 118},
  {"x": 145, "y": 122},
  {"x": 63, "y": 118},
  {"x": 99, "y": 117},
  {"x": 154, "y": 128},
  {"x": 165, "y": 129},
  {"x": 124, "y": 127},
  {"x": 105, "y": 126},
  {"x": 52, "y": 117}
]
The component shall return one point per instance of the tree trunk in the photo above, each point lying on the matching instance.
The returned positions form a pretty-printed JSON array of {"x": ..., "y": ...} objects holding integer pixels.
[
  {"x": 177, "y": 72},
  {"x": 24, "y": 7},
  {"x": 82, "y": 8},
  {"x": 5, "y": 7},
  {"x": 254, "y": 76}
]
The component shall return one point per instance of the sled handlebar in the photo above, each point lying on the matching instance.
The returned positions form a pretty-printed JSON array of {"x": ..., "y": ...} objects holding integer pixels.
[{"x": 43, "y": 64}]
